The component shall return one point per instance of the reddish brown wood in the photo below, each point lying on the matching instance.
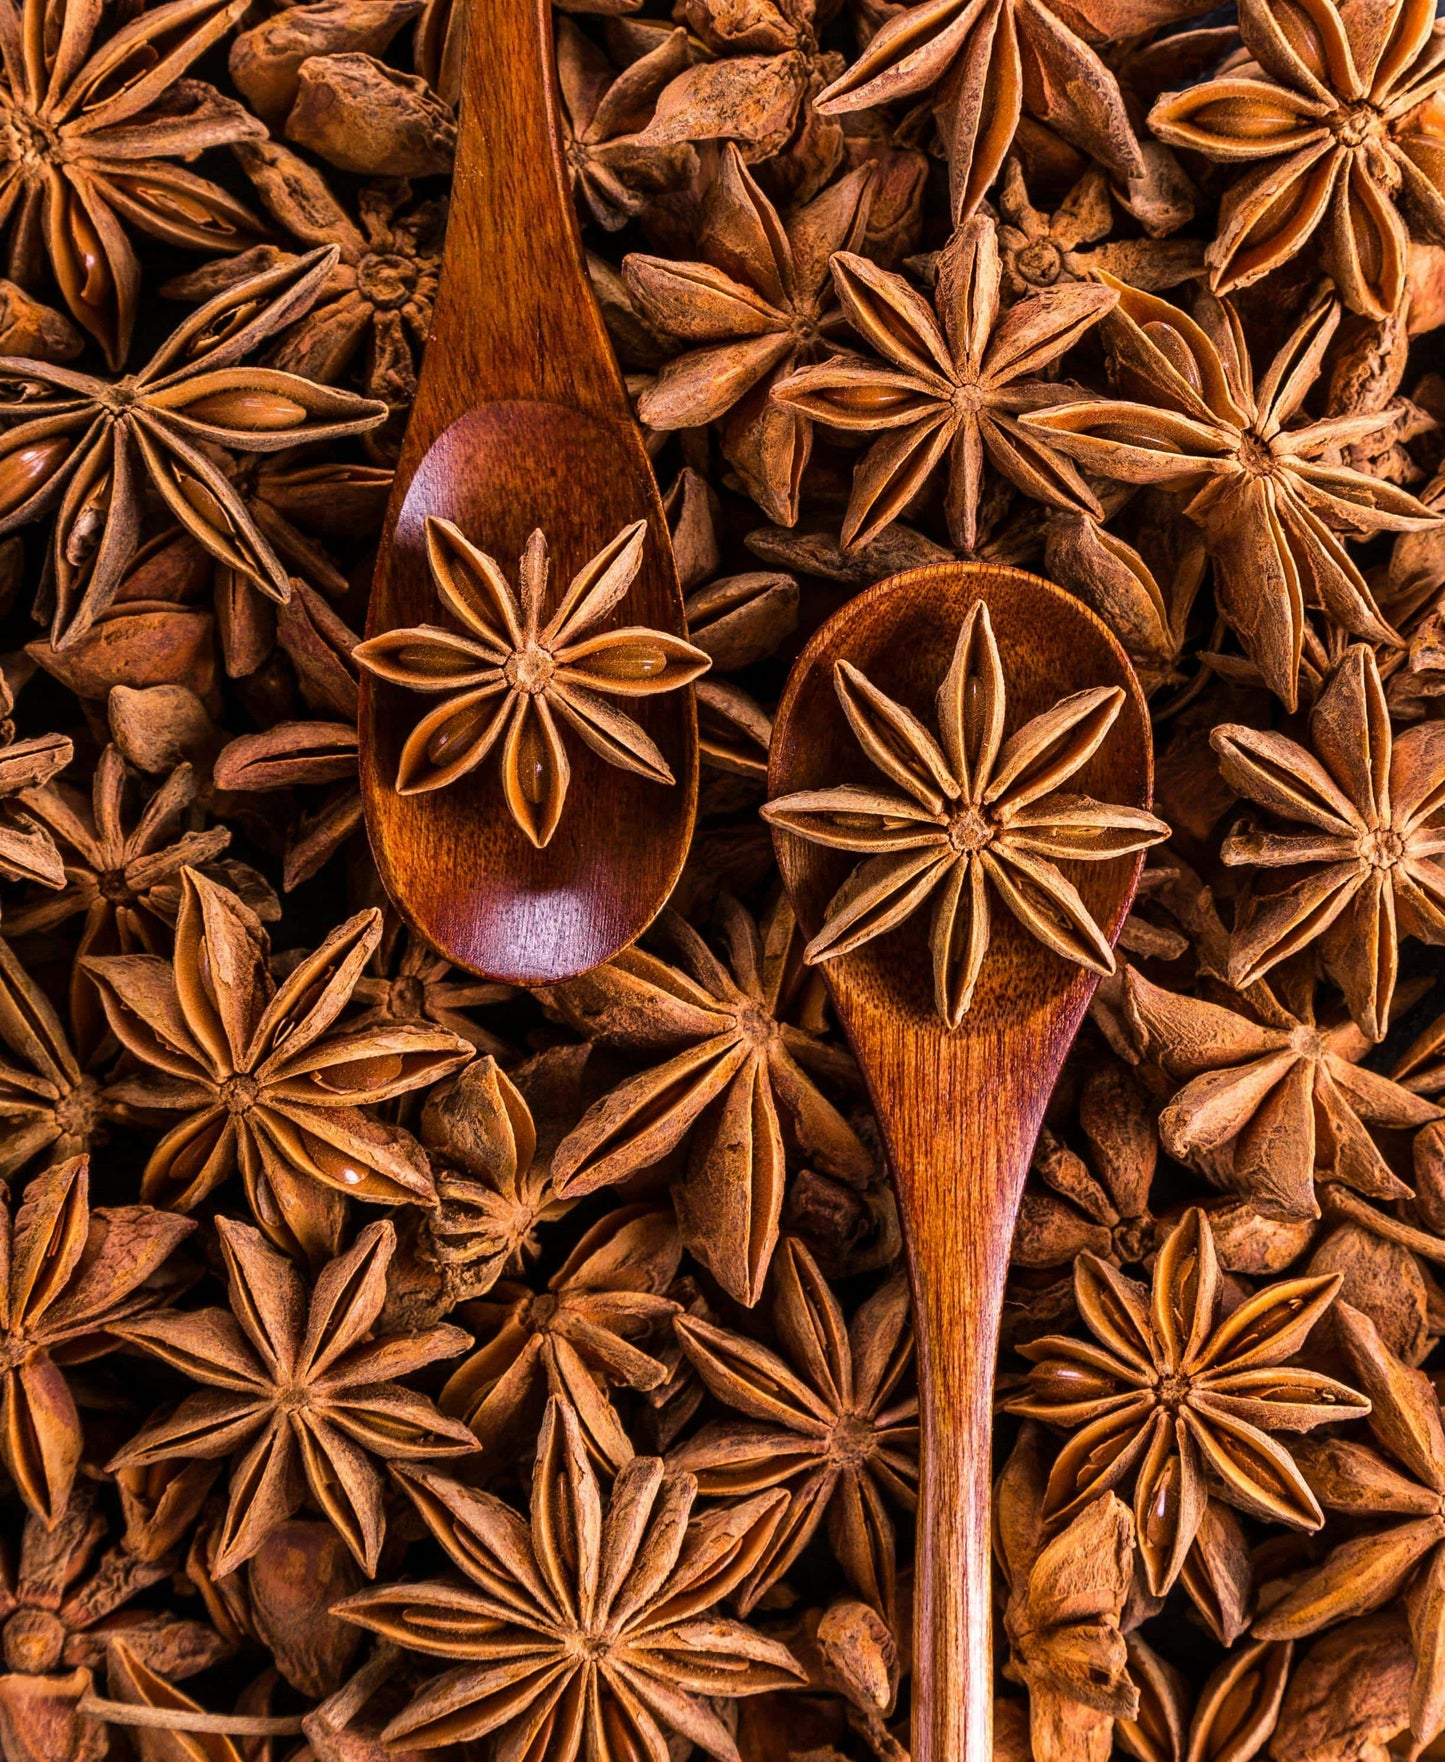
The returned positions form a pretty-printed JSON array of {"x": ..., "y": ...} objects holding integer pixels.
[
  {"x": 521, "y": 420},
  {"x": 959, "y": 1111}
]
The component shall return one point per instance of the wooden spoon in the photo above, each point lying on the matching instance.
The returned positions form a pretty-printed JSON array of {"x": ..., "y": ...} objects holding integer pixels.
[
  {"x": 521, "y": 421},
  {"x": 959, "y": 1110}
]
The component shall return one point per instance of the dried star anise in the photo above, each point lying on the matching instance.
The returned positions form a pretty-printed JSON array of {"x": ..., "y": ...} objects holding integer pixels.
[
  {"x": 267, "y": 1077},
  {"x": 511, "y": 679},
  {"x": 971, "y": 811},
  {"x": 85, "y": 447},
  {"x": 307, "y": 1394},
  {"x": 1175, "y": 1391},
  {"x": 588, "y": 1629}
]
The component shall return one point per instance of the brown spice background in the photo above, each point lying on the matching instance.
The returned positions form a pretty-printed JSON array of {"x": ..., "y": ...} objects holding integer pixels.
[{"x": 437, "y": 1368}]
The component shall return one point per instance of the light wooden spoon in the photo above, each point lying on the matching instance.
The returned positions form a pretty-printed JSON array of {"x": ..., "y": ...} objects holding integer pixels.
[
  {"x": 959, "y": 1110},
  {"x": 521, "y": 421}
]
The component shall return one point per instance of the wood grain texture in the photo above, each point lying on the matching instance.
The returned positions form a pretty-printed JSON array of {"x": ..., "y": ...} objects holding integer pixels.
[
  {"x": 960, "y": 1110},
  {"x": 521, "y": 420}
]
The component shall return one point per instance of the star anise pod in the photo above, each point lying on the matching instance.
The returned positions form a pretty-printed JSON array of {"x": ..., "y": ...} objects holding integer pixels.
[
  {"x": 410, "y": 982},
  {"x": 60, "y": 1607},
  {"x": 309, "y": 1398},
  {"x": 1329, "y": 109},
  {"x": 1066, "y": 1600},
  {"x": 89, "y": 131},
  {"x": 832, "y": 1418},
  {"x": 1404, "y": 1559},
  {"x": 1348, "y": 1695},
  {"x": 1099, "y": 1204},
  {"x": 1361, "y": 852},
  {"x": 73, "y": 1278},
  {"x": 512, "y": 679},
  {"x": 759, "y": 305},
  {"x": 1268, "y": 497},
  {"x": 86, "y": 447},
  {"x": 729, "y": 1065},
  {"x": 574, "y": 1339},
  {"x": 266, "y": 1077},
  {"x": 304, "y": 756},
  {"x": 594, "y": 1629},
  {"x": 1274, "y": 1095},
  {"x": 971, "y": 811},
  {"x": 48, "y": 1101},
  {"x": 613, "y": 174},
  {"x": 1172, "y": 1391},
  {"x": 986, "y": 62},
  {"x": 950, "y": 386}
]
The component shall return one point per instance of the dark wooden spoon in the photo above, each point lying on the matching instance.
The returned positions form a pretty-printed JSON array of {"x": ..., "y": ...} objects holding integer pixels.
[
  {"x": 521, "y": 421},
  {"x": 959, "y": 1110}
]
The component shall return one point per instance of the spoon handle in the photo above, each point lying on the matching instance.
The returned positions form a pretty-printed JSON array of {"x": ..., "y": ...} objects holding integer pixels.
[
  {"x": 960, "y": 1130},
  {"x": 515, "y": 316}
]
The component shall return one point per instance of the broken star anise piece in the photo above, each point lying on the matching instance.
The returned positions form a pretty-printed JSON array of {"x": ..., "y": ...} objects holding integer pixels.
[
  {"x": 592, "y": 1632},
  {"x": 1362, "y": 851},
  {"x": 1269, "y": 497},
  {"x": 510, "y": 675},
  {"x": 950, "y": 386},
  {"x": 87, "y": 448},
  {"x": 1330, "y": 113},
  {"x": 306, "y": 1395},
  {"x": 72, "y": 1278},
  {"x": 971, "y": 811},
  {"x": 1178, "y": 1396},
  {"x": 265, "y": 1076},
  {"x": 87, "y": 134},
  {"x": 27, "y": 850}
]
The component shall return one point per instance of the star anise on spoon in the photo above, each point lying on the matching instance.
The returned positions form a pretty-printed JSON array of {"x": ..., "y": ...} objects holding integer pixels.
[
  {"x": 970, "y": 812},
  {"x": 511, "y": 678}
]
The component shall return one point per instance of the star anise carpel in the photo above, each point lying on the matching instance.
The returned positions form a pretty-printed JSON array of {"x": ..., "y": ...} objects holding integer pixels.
[
  {"x": 951, "y": 385},
  {"x": 971, "y": 813},
  {"x": 1273, "y": 505},
  {"x": 307, "y": 1395},
  {"x": 1330, "y": 113},
  {"x": 85, "y": 448},
  {"x": 509, "y": 678},
  {"x": 594, "y": 1631},
  {"x": 1171, "y": 1391},
  {"x": 268, "y": 1078},
  {"x": 72, "y": 1278}
]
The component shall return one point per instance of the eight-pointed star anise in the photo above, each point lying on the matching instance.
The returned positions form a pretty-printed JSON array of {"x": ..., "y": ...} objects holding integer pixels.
[
  {"x": 593, "y": 1633},
  {"x": 1330, "y": 112},
  {"x": 87, "y": 131},
  {"x": 949, "y": 386},
  {"x": 267, "y": 1078},
  {"x": 971, "y": 810},
  {"x": 72, "y": 1277},
  {"x": 307, "y": 1397},
  {"x": 728, "y": 1066},
  {"x": 87, "y": 448},
  {"x": 510, "y": 675},
  {"x": 1366, "y": 870},
  {"x": 1176, "y": 1395},
  {"x": 833, "y": 1419},
  {"x": 1268, "y": 495}
]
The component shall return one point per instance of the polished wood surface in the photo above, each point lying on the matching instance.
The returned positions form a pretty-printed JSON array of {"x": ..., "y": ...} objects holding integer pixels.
[
  {"x": 521, "y": 420},
  {"x": 960, "y": 1110}
]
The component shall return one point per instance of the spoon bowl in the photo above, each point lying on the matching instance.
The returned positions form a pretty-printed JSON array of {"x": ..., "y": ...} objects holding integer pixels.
[
  {"x": 521, "y": 422},
  {"x": 960, "y": 1109}
]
